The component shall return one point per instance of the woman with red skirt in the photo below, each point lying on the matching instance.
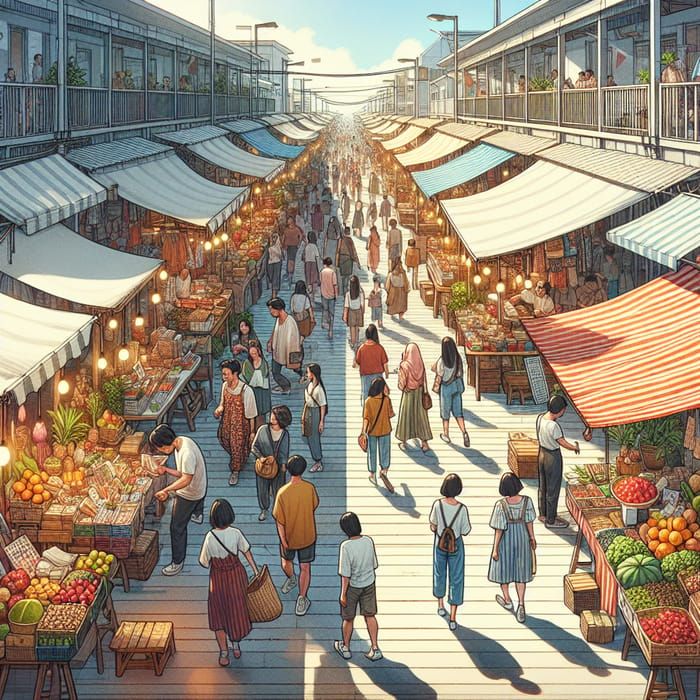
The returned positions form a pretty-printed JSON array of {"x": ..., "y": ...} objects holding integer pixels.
[{"x": 227, "y": 606}]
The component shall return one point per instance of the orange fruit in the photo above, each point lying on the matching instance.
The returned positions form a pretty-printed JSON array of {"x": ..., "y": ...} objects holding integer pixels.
[
  {"x": 26, "y": 495},
  {"x": 652, "y": 522},
  {"x": 38, "y": 488},
  {"x": 664, "y": 549},
  {"x": 37, "y": 498},
  {"x": 663, "y": 535},
  {"x": 27, "y": 474},
  {"x": 653, "y": 544},
  {"x": 662, "y": 523},
  {"x": 679, "y": 524},
  {"x": 18, "y": 486},
  {"x": 653, "y": 533},
  {"x": 46, "y": 496},
  {"x": 686, "y": 534},
  {"x": 675, "y": 538},
  {"x": 44, "y": 476},
  {"x": 34, "y": 479}
]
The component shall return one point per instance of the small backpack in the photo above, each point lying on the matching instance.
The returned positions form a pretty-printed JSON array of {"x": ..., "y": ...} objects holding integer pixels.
[{"x": 448, "y": 539}]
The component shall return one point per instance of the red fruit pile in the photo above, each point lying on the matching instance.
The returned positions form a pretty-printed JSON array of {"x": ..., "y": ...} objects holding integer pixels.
[
  {"x": 15, "y": 581},
  {"x": 635, "y": 489},
  {"x": 79, "y": 590},
  {"x": 670, "y": 627}
]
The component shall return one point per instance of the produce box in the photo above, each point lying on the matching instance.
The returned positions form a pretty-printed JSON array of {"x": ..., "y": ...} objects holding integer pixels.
[
  {"x": 62, "y": 631},
  {"x": 25, "y": 511},
  {"x": 674, "y": 654},
  {"x": 144, "y": 556},
  {"x": 49, "y": 537},
  {"x": 131, "y": 444},
  {"x": 581, "y": 592},
  {"x": 694, "y": 607},
  {"x": 597, "y": 626},
  {"x": 84, "y": 526},
  {"x": 522, "y": 458},
  {"x": 20, "y": 647},
  {"x": 110, "y": 434},
  {"x": 427, "y": 292},
  {"x": 22, "y": 554}
]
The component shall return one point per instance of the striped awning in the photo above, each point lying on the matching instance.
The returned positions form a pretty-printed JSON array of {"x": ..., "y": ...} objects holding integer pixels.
[
  {"x": 664, "y": 235},
  {"x": 631, "y": 358},
  {"x": 385, "y": 129},
  {"x": 43, "y": 192},
  {"x": 36, "y": 343},
  {"x": 240, "y": 126},
  {"x": 263, "y": 141},
  {"x": 460, "y": 170},
  {"x": 437, "y": 146},
  {"x": 292, "y": 131},
  {"x": 527, "y": 209},
  {"x": 404, "y": 138},
  {"x": 519, "y": 143}
]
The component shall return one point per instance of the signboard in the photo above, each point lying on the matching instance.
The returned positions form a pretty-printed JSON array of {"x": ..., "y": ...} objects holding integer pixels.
[{"x": 535, "y": 375}]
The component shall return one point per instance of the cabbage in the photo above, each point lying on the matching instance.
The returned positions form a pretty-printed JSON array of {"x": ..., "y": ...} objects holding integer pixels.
[{"x": 675, "y": 562}]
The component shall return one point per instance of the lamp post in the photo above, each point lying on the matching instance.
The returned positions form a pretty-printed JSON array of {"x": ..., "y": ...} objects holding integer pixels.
[
  {"x": 253, "y": 50},
  {"x": 262, "y": 25},
  {"x": 414, "y": 61},
  {"x": 395, "y": 91},
  {"x": 454, "y": 18}
]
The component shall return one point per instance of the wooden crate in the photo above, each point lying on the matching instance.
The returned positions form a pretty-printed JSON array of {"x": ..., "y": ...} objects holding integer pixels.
[
  {"x": 427, "y": 292},
  {"x": 597, "y": 626},
  {"x": 140, "y": 563},
  {"x": 20, "y": 647},
  {"x": 694, "y": 607},
  {"x": 581, "y": 592},
  {"x": 667, "y": 654},
  {"x": 522, "y": 458}
]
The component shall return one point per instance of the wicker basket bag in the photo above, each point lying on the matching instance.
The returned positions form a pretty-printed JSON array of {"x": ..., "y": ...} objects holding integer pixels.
[{"x": 264, "y": 604}]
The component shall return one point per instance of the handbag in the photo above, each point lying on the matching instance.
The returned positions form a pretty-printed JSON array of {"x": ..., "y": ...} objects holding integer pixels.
[
  {"x": 295, "y": 359},
  {"x": 437, "y": 383},
  {"x": 363, "y": 438},
  {"x": 268, "y": 467},
  {"x": 426, "y": 398}
]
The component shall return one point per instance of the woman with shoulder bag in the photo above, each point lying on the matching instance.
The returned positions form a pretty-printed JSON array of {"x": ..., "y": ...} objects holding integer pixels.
[
  {"x": 376, "y": 431},
  {"x": 256, "y": 374},
  {"x": 271, "y": 441},
  {"x": 314, "y": 413},
  {"x": 413, "y": 415},
  {"x": 302, "y": 310},
  {"x": 449, "y": 384},
  {"x": 513, "y": 555},
  {"x": 354, "y": 309}
]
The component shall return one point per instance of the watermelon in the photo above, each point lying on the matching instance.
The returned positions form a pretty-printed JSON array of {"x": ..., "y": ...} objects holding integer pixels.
[
  {"x": 638, "y": 570},
  {"x": 4, "y": 631},
  {"x": 26, "y": 612}
]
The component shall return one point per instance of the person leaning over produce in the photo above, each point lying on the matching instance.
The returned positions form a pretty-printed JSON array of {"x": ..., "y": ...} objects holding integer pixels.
[{"x": 189, "y": 487}]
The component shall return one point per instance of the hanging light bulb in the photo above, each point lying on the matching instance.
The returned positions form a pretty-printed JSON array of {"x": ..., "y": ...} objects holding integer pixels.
[
  {"x": 528, "y": 283},
  {"x": 163, "y": 274},
  {"x": 477, "y": 280},
  {"x": 4, "y": 455},
  {"x": 224, "y": 236},
  {"x": 156, "y": 298},
  {"x": 238, "y": 221},
  {"x": 518, "y": 280},
  {"x": 258, "y": 190},
  {"x": 439, "y": 221},
  {"x": 102, "y": 362},
  {"x": 123, "y": 354},
  {"x": 486, "y": 271},
  {"x": 63, "y": 387},
  {"x": 138, "y": 321},
  {"x": 216, "y": 241},
  {"x": 207, "y": 245},
  {"x": 113, "y": 324},
  {"x": 500, "y": 287}
]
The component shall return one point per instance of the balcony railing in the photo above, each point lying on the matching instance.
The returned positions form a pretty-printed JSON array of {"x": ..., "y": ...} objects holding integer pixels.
[
  {"x": 625, "y": 109},
  {"x": 542, "y": 106},
  {"x": 678, "y": 107},
  {"x": 27, "y": 109},
  {"x": 161, "y": 105},
  {"x": 88, "y": 107}
]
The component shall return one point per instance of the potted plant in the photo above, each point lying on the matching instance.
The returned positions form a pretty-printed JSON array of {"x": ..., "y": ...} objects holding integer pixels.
[
  {"x": 629, "y": 459},
  {"x": 643, "y": 76},
  {"x": 659, "y": 438}
]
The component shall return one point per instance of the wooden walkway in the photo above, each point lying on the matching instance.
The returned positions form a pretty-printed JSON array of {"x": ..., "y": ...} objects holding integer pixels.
[{"x": 489, "y": 656}]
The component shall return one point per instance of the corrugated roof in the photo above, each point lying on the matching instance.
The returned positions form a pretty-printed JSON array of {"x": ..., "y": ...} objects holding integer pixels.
[
  {"x": 240, "y": 126},
  {"x": 189, "y": 136},
  {"x": 636, "y": 172},
  {"x": 437, "y": 146},
  {"x": 292, "y": 131},
  {"x": 468, "y": 132},
  {"x": 519, "y": 143},
  {"x": 426, "y": 122},
  {"x": 104, "y": 155},
  {"x": 404, "y": 138}
]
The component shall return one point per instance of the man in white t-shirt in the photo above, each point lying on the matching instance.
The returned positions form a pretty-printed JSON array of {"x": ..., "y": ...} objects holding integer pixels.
[
  {"x": 357, "y": 560},
  {"x": 189, "y": 487}
]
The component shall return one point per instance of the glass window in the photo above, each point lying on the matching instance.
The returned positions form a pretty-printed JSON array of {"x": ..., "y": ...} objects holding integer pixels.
[
  {"x": 495, "y": 77},
  {"x": 127, "y": 64},
  {"x": 188, "y": 70},
  {"x": 233, "y": 81},
  {"x": 628, "y": 47},
  {"x": 692, "y": 47},
  {"x": 161, "y": 64},
  {"x": 87, "y": 51},
  {"x": 481, "y": 80},
  {"x": 202, "y": 76},
  {"x": 220, "y": 82},
  {"x": 542, "y": 61},
  {"x": 515, "y": 73}
]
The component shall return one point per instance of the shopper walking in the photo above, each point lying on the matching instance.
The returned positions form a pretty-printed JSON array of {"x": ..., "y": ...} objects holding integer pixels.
[
  {"x": 358, "y": 220},
  {"x": 346, "y": 259},
  {"x": 376, "y": 427},
  {"x": 413, "y": 417},
  {"x": 227, "y": 602},
  {"x": 189, "y": 487},
  {"x": 296, "y": 526},
  {"x": 312, "y": 264},
  {"x": 397, "y": 291},
  {"x": 372, "y": 212},
  {"x": 293, "y": 235},
  {"x": 385, "y": 212},
  {"x": 373, "y": 245},
  {"x": 314, "y": 414},
  {"x": 372, "y": 360},
  {"x": 334, "y": 232},
  {"x": 256, "y": 374},
  {"x": 274, "y": 264},
  {"x": 394, "y": 243},
  {"x": 329, "y": 293},
  {"x": 237, "y": 411},
  {"x": 357, "y": 562},
  {"x": 513, "y": 555},
  {"x": 303, "y": 311},
  {"x": 284, "y": 344},
  {"x": 413, "y": 261},
  {"x": 272, "y": 440},
  {"x": 449, "y": 373},
  {"x": 375, "y": 301},
  {"x": 354, "y": 309}
]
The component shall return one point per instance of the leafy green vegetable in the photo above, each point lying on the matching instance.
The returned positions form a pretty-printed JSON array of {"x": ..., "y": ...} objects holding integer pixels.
[
  {"x": 672, "y": 563},
  {"x": 623, "y": 547}
]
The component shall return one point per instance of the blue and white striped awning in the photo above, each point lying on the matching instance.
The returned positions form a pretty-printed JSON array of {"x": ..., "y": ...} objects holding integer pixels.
[
  {"x": 462, "y": 169},
  {"x": 267, "y": 144},
  {"x": 665, "y": 234},
  {"x": 45, "y": 191}
]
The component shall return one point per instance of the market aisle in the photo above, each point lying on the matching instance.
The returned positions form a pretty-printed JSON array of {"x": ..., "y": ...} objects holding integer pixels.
[{"x": 490, "y": 654}]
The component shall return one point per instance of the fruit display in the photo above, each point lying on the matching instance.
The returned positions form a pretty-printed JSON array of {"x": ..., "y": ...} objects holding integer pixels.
[
  {"x": 634, "y": 491},
  {"x": 26, "y": 612},
  {"x": 59, "y": 625},
  {"x": 670, "y": 626},
  {"x": 638, "y": 570},
  {"x": 42, "y": 589},
  {"x": 99, "y": 562},
  {"x": 605, "y": 537},
  {"x": 32, "y": 487},
  {"x": 113, "y": 390},
  {"x": 109, "y": 420},
  {"x": 676, "y": 562},
  {"x": 621, "y": 548},
  {"x": 692, "y": 583},
  {"x": 666, "y": 535},
  {"x": 79, "y": 589},
  {"x": 15, "y": 581},
  {"x": 67, "y": 429}
]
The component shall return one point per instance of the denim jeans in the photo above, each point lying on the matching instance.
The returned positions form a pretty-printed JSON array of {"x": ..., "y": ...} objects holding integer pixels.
[
  {"x": 327, "y": 311},
  {"x": 443, "y": 562},
  {"x": 366, "y": 380},
  {"x": 314, "y": 440},
  {"x": 549, "y": 468},
  {"x": 281, "y": 380},
  {"x": 451, "y": 399},
  {"x": 381, "y": 444}
]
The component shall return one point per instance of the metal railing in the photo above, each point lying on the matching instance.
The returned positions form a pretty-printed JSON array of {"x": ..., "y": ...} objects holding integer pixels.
[
  {"x": 579, "y": 108},
  {"x": 128, "y": 106},
  {"x": 626, "y": 109},
  {"x": 27, "y": 109},
  {"x": 515, "y": 106},
  {"x": 88, "y": 107},
  {"x": 678, "y": 108},
  {"x": 161, "y": 105},
  {"x": 542, "y": 106}
]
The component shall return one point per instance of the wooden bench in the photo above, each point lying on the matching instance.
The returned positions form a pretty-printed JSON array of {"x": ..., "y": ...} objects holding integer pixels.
[
  {"x": 153, "y": 642},
  {"x": 516, "y": 382}
]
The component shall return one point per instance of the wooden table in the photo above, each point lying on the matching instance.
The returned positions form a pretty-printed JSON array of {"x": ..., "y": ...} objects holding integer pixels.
[
  {"x": 169, "y": 406},
  {"x": 477, "y": 355},
  {"x": 154, "y": 641}
]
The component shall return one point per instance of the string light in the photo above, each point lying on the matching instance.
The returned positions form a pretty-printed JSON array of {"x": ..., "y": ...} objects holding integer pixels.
[
  {"x": 500, "y": 287},
  {"x": 102, "y": 362},
  {"x": 518, "y": 280},
  {"x": 63, "y": 387},
  {"x": 469, "y": 263},
  {"x": 113, "y": 324},
  {"x": 477, "y": 280},
  {"x": 156, "y": 298},
  {"x": 123, "y": 354},
  {"x": 4, "y": 455},
  {"x": 486, "y": 271},
  {"x": 528, "y": 283},
  {"x": 216, "y": 241},
  {"x": 207, "y": 245},
  {"x": 224, "y": 236},
  {"x": 138, "y": 321},
  {"x": 163, "y": 274}
]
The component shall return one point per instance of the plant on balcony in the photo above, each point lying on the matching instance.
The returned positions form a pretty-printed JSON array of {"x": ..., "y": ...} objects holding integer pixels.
[
  {"x": 75, "y": 75},
  {"x": 220, "y": 83},
  {"x": 643, "y": 76},
  {"x": 541, "y": 84},
  {"x": 668, "y": 58}
]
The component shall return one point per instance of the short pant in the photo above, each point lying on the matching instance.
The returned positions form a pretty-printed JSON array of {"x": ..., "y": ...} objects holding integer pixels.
[
  {"x": 366, "y": 597},
  {"x": 305, "y": 555}
]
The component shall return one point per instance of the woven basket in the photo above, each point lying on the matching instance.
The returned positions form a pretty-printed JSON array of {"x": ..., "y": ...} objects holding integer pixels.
[{"x": 264, "y": 604}]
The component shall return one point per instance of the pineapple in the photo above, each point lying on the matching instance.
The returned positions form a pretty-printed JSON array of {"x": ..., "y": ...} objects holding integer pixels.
[{"x": 67, "y": 429}]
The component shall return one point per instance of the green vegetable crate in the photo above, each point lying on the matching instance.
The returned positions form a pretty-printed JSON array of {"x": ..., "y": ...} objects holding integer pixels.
[{"x": 581, "y": 592}]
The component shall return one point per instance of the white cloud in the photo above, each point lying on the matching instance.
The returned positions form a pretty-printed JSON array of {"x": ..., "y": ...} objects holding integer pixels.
[{"x": 305, "y": 45}]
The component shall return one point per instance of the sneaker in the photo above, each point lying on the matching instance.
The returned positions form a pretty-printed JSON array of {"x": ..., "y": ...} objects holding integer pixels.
[
  {"x": 172, "y": 569},
  {"x": 520, "y": 614},
  {"x": 289, "y": 584},
  {"x": 303, "y": 605},
  {"x": 198, "y": 519},
  {"x": 452, "y": 625},
  {"x": 374, "y": 654},
  {"x": 445, "y": 438},
  {"x": 262, "y": 516},
  {"x": 466, "y": 439},
  {"x": 342, "y": 649},
  {"x": 558, "y": 524},
  {"x": 233, "y": 479},
  {"x": 279, "y": 390}
]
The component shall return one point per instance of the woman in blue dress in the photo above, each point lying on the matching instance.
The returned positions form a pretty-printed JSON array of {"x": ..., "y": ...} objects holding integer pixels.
[{"x": 512, "y": 558}]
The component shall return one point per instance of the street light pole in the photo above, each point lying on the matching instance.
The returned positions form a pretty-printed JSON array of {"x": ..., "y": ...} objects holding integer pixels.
[
  {"x": 262, "y": 25},
  {"x": 455, "y": 20},
  {"x": 414, "y": 61}
]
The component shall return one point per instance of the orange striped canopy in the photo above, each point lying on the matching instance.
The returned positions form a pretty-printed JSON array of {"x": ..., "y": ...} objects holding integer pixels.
[{"x": 631, "y": 358}]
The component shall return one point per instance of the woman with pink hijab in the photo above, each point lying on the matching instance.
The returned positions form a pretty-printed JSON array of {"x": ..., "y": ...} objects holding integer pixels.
[{"x": 413, "y": 418}]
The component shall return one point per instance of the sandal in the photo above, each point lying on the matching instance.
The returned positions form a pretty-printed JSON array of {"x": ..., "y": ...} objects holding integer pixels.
[
  {"x": 236, "y": 650},
  {"x": 425, "y": 447},
  {"x": 223, "y": 658},
  {"x": 385, "y": 480},
  {"x": 318, "y": 467},
  {"x": 402, "y": 446},
  {"x": 373, "y": 479},
  {"x": 502, "y": 602}
]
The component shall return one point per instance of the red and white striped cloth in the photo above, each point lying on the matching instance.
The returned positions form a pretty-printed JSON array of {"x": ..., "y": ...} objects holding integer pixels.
[{"x": 631, "y": 358}]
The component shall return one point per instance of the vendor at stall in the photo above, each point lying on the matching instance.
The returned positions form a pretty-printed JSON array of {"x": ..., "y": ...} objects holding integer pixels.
[{"x": 537, "y": 301}]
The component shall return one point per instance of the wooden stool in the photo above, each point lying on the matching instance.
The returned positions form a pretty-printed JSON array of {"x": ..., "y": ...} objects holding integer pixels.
[
  {"x": 516, "y": 382},
  {"x": 154, "y": 640}
]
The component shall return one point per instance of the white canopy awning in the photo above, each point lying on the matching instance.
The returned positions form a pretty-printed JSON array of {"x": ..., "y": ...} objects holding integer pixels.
[
  {"x": 385, "y": 128},
  {"x": 437, "y": 146},
  {"x": 240, "y": 126},
  {"x": 45, "y": 191},
  {"x": 166, "y": 185},
  {"x": 62, "y": 263},
  {"x": 292, "y": 131},
  {"x": 404, "y": 138},
  {"x": 36, "y": 343},
  {"x": 520, "y": 213}
]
